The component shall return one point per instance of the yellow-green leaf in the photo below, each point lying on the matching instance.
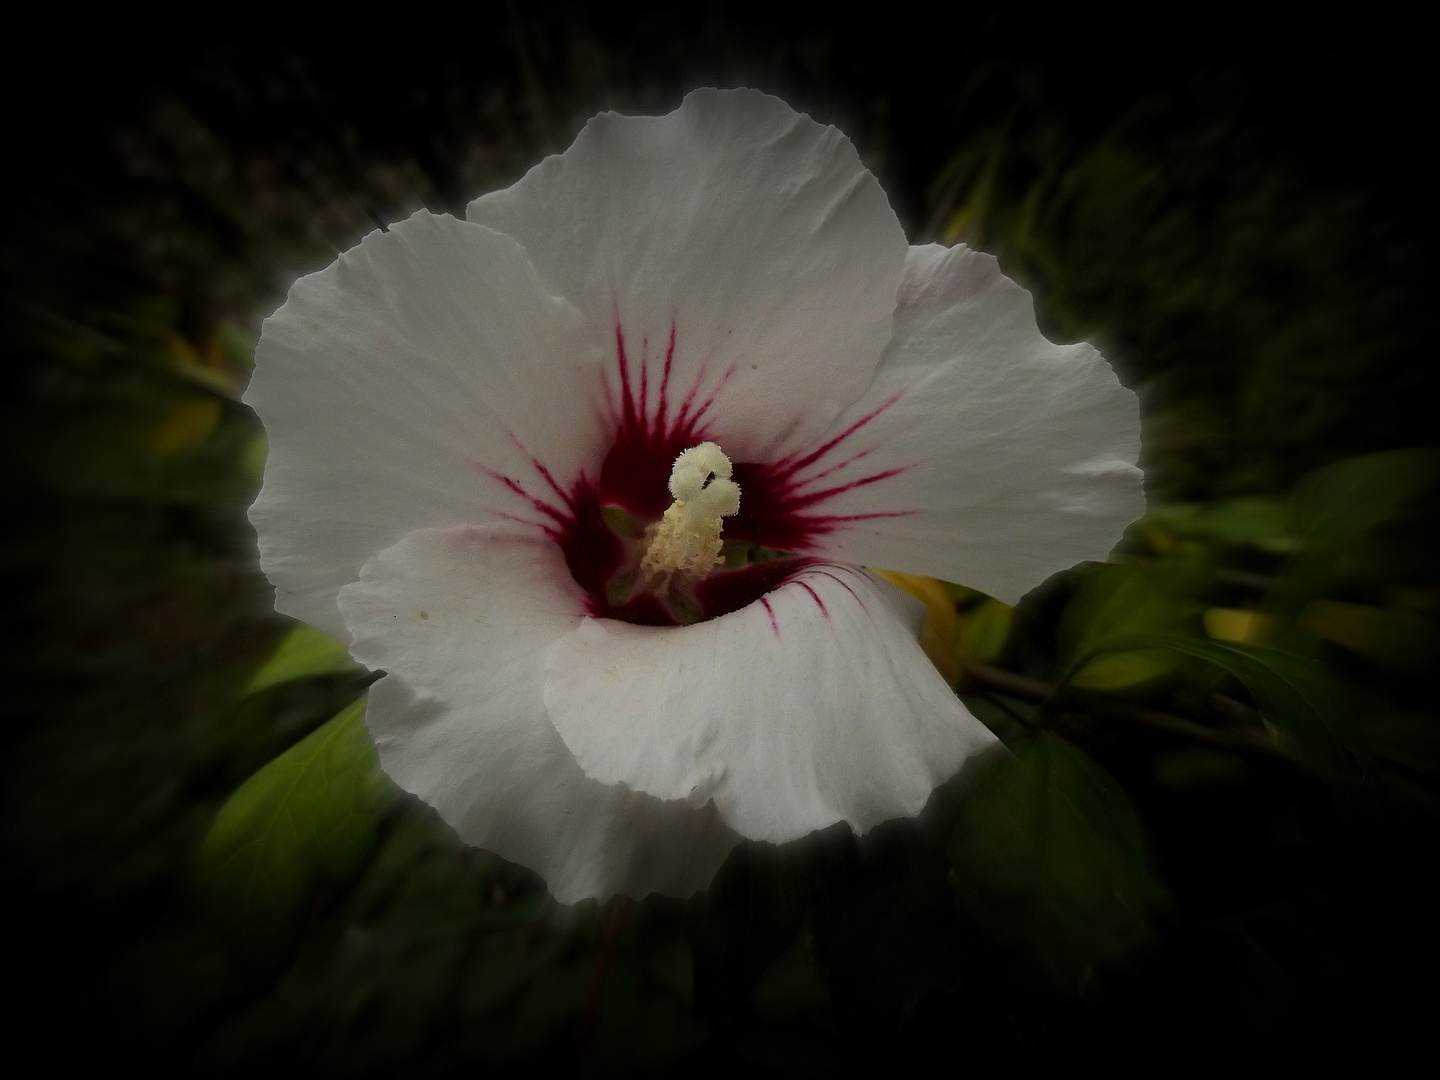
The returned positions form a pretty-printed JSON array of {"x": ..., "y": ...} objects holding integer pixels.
[
  {"x": 1239, "y": 625},
  {"x": 307, "y": 817},
  {"x": 187, "y": 425},
  {"x": 1256, "y": 520},
  {"x": 1117, "y": 600},
  {"x": 305, "y": 653},
  {"x": 985, "y": 630}
]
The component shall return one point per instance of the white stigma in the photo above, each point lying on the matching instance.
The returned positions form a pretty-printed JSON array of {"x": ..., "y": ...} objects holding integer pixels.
[{"x": 687, "y": 538}]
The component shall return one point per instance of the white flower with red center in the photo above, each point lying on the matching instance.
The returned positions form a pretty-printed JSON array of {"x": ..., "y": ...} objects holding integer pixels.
[{"x": 593, "y": 474}]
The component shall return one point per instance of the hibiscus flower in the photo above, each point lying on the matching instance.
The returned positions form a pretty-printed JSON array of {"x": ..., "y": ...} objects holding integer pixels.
[{"x": 593, "y": 476}]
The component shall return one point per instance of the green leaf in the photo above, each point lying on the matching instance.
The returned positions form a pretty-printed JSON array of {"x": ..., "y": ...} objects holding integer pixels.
[
  {"x": 305, "y": 653},
  {"x": 1255, "y": 520},
  {"x": 307, "y": 818},
  {"x": 1049, "y": 858},
  {"x": 1112, "y": 601},
  {"x": 1298, "y": 695},
  {"x": 1334, "y": 506},
  {"x": 985, "y": 630},
  {"x": 1007, "y": 721}
]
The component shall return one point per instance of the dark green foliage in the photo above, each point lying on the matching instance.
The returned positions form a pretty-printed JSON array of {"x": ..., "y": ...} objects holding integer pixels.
[
  {"x": 1334, "y": 507},
  {"x": 1253, "y": 519},
  {"x": 1236, "y": 289},
  {"x": 1313, "y": 709},
  {"x": 1048, "y": 855}
]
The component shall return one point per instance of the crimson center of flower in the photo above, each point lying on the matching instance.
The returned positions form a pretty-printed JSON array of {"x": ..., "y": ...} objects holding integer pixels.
[
  {"x": 640, "y": 556},
  {"x": 673, "y": 568}
]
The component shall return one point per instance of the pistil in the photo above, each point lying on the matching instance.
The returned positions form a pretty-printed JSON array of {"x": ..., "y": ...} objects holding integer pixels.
[{"x": 686, "y": 540}]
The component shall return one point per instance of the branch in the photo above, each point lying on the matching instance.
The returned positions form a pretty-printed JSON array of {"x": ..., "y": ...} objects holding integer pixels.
[
  {"x": 591, "y": 1005},
  {"x": 1243, "y": 740}
]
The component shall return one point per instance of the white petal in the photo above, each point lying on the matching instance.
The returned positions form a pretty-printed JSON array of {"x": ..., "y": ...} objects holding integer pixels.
[
  {"x": 398, "y": 387},
  {"x": 1009, "y": 457},
  {"x": 461, "y": 618},
  {"x": 752, "y": 231},
  {"x": 811, "y": 706}
]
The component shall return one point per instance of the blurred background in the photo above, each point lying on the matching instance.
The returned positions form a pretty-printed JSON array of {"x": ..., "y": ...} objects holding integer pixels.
[{"x": 1215, "y": 832}]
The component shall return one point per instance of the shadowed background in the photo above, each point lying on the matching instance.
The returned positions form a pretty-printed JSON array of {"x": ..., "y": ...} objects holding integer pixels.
[{"x": 1236, "y": 215}]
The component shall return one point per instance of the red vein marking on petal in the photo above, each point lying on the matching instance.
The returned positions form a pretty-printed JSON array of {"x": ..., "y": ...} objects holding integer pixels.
[
  {"x": 724, "y": 380},
  {"x": 648, "y": 436},
  {"x": 644, "y": 374},
  {"x": 791, "y": 466},
  {"x": 627, "y": 404},
  {"x": 820, "y": 524},
  {"x": 514, "y": 485},
  {"x": 842, "y": 583},
  {"x": 774, "y": 513},
  {"x": 732, "y": 589},
  {"x": 788, "y": 430},
  {"x": 665, "y": 377},
  {"x": 685, "y": 417},
  {"x": 682, "y": 417},
  {"x": 810, "y": 498},
  {"x": 775, "y": 626},
  {"x": 549, "y": 479},
  {"x": 560, "y": 516},
  {"x": 541, "y": 469},
  {"x": 705, "y": 405},
  {"x": 816, "y": 597},
  {"x": 836, "y": 468},
  {"x": 777, "y": 497},
  {"x": 549, "y": 530},
  {"x": 609, "y": 394},
  {"x": 518, "y": 519},
  {"x": 840, "y": 518}
]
